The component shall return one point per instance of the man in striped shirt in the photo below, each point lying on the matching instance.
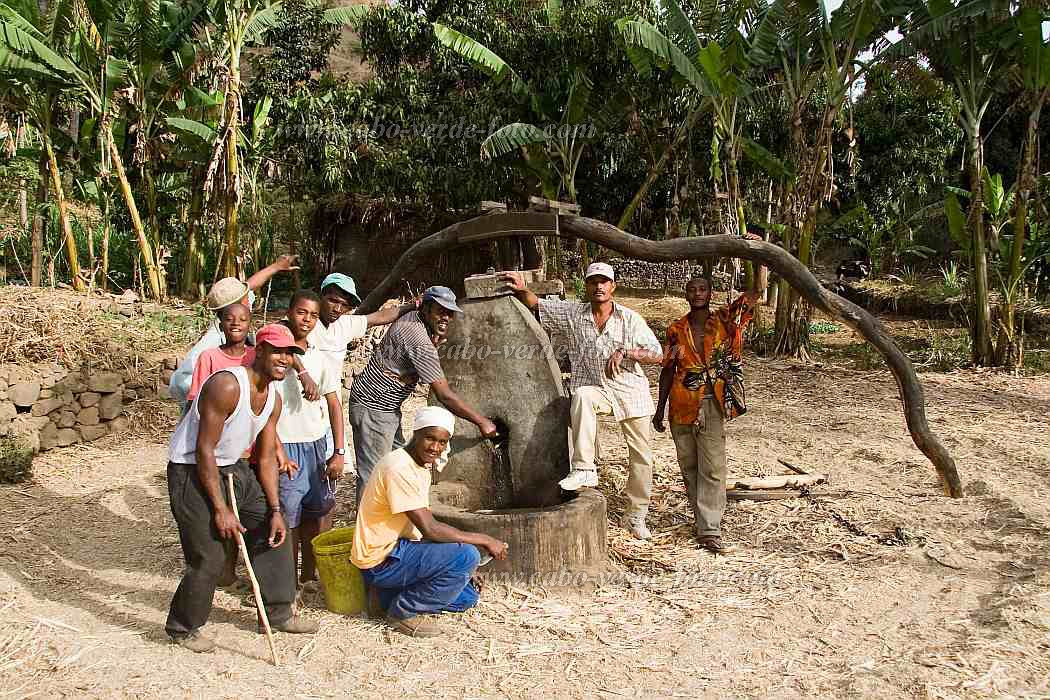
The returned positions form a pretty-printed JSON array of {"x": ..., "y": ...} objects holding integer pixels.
[
  {"x": 608, "y": 343},
  {"x": 406, "y": 357}
]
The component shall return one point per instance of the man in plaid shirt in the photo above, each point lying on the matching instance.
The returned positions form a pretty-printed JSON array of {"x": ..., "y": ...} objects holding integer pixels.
[{"x": 608, "y": 343}]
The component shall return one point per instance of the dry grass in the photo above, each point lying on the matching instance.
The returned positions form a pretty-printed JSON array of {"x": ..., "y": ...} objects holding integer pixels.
[{"x": 45, "y": 326}]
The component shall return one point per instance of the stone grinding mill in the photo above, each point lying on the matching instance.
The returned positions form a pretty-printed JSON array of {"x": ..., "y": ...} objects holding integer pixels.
[{"x": 500, "y": 360}]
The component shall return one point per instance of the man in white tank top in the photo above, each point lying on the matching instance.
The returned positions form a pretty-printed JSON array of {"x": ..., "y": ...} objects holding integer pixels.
[{"x": 235, "y": 408}]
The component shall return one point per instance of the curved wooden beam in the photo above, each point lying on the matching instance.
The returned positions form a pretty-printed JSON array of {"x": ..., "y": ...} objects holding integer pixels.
[{"x": 493, "y": 226}]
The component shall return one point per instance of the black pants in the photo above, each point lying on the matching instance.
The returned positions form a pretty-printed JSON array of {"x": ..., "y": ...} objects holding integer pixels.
[{"x": 205, "y": 555}]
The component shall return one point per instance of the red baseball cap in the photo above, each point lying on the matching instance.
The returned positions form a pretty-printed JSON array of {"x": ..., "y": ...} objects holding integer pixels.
[{"x": 279, "y": 336}]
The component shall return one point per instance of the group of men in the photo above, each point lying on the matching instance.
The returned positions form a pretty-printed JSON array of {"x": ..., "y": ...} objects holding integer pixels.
[{"x": 271, "y": 416}]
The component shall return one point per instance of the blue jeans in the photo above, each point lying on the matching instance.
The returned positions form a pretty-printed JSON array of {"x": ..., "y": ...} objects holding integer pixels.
[{"x": 425, "y": 577}]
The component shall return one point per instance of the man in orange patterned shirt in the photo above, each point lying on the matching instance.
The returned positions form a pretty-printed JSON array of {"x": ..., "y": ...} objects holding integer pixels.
[{"x": 702, "y": 378}]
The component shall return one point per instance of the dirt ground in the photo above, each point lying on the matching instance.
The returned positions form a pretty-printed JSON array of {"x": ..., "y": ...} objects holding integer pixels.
[{"x": 954, "y": 601}]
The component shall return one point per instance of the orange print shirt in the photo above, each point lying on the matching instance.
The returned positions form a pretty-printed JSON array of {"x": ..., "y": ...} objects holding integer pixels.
[{"x": 697, "y": 368}]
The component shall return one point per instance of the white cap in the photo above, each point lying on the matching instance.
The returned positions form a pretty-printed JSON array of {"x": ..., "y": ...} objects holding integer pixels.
[
  {"x": 434, "y": 417},
  {"x": 600, "y": 268}
]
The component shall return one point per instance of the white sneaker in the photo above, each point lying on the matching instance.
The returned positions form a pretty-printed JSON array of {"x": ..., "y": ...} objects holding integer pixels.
[
  {"x": 636, "y": 524},
  {"x": 579, "y": 478}
]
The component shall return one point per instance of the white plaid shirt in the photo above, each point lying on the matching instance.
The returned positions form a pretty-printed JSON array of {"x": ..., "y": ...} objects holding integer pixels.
[{"x": 589, "y": 352}]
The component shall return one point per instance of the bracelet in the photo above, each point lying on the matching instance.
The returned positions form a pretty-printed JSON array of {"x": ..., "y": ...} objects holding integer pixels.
[
  {"x": 300, "y": 374},
  {"x": 274, "y": 509}
]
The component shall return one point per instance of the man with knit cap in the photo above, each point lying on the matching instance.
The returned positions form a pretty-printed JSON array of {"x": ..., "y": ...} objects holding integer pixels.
[{"x": 413, "y": 564}]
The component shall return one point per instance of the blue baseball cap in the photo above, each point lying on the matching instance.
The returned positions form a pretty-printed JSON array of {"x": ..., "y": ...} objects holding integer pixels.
[
  {"x": 344, "y": 282},
  {"x": 444, "y": 296}
]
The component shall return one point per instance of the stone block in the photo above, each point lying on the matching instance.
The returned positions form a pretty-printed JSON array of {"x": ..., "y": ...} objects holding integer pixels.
[
  {"x": 489, "y": 284},
  {"x": 45, "y": 406},
  {"x": 47, "y": 381},
  {"x": 88, "y": 416},
  {"x": 67, "y": 437},
  {"x": 74, "y": 382},
  {"x": 89, "y": 433},
  {"x": 49, "y": 437},
  {"x": 105, "y": 382},
  {"x": 28, "y": 424},
  {"x": 518, "y": 363},
  {"x": 24, "y": 394},
  {"x": 118, "y": 425},
  {"x": 3, "y": 384},
  {"x": 47, "y": 393},
  {"x": 131, "y": 395},
  {"x": 69, "y": 400},
  {"x": 67, "y": 419},
  {"x": 8, "y": 412},
  {"x": 89, "y": 399},
  {"x": 110, "y": 406}
]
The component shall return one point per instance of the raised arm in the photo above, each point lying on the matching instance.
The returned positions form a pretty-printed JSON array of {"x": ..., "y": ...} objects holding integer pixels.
[
  {"x": 387, "y": 316},
  {"x": 284, "y": 263},
  {"x": 217, "y": 402}
]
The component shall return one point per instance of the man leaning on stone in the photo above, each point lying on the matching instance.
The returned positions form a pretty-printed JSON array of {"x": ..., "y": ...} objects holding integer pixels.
[{"x": 608, "y": 344}]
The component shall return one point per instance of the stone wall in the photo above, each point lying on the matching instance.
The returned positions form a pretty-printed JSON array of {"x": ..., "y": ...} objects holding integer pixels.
[{"x": 54, "y": 407}]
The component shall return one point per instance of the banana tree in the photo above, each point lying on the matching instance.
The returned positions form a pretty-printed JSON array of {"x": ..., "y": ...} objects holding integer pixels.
[
  {"x": 551, "y": 152},
  {"x": 1034, "y": 69},
  {"x": 238, "y": 23},
  {"x": 971, "y": 44},
  {"x": 35, "y": 68},
  {"x": 713, "y": 60},
  {"x": 568, "y": 110}
]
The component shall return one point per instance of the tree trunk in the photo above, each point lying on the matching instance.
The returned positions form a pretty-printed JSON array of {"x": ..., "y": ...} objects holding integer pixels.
[
  {"x": 63, "y": 215},
  {"x": 39, "y": 222},
  {"x": 233, "y": 189},
  {"x": 493, "y": 226},
  {"x": 191, "y": 273},
  {"x": 106, "y": 226},
  {"x": 145, "y": 249},
  {"x": 982, "y": 314},
  {"x": 1009, "y": 350}
]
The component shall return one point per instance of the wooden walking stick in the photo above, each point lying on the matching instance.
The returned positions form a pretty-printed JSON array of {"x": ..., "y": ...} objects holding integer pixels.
[{"x": 251, "y": 573}]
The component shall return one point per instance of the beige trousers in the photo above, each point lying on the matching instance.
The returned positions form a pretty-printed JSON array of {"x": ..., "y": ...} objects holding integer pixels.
[
  {"x": 702, "y": 459},
  {"x": 588, "y": 403}
]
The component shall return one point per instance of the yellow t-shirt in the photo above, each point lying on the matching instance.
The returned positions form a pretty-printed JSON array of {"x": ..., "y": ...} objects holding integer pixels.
[{"x": 397, "y": 485}]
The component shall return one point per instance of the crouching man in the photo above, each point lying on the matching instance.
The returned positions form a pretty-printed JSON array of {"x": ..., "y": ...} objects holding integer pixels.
[
  {"x": 413, "y": 564},
  {"x": 235, "y": 407}
]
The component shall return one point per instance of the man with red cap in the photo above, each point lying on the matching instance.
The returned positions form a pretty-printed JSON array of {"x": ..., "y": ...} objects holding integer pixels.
[{"x": 235, "y": 408}]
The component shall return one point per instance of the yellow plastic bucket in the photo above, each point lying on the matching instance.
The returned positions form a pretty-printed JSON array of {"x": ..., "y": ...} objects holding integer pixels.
[{"x": 344, "y": 589}]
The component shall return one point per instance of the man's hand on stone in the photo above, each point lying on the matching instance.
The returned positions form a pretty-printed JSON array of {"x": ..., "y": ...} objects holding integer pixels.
[
  {"x": 278, "y": 529},
  {"x": 335, "y": 466},
  {"x": 226, "y": 523},
  {"x": 497, "y": 549},
  {"x": 514, "y": 280},
  {"x": 487, "y": 428}
]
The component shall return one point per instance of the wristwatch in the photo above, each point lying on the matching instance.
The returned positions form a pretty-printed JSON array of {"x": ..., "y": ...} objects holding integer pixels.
[{"x": 341, "y": 451}]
